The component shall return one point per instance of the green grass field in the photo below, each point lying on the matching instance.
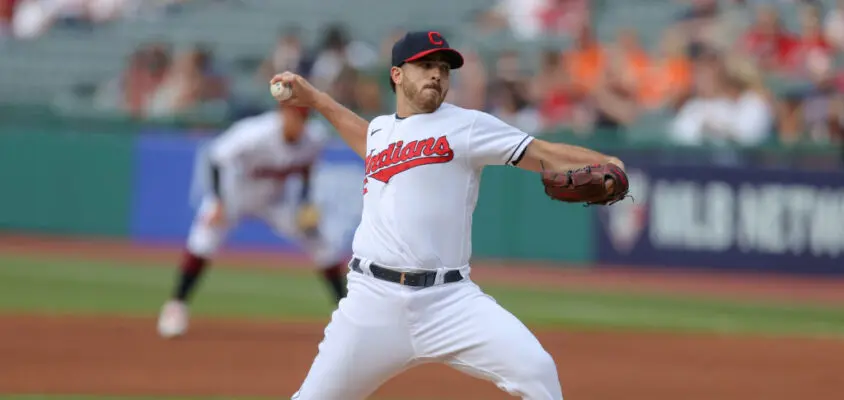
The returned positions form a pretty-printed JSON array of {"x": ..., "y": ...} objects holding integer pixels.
[{"x": 29, "y": 285}]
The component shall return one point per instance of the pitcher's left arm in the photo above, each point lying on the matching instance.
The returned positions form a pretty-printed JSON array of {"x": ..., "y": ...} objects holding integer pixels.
[
  {"x": 575, "y": 174},
  {"x": 541, "y": 156},
  {"x": 569, "y": 173}
]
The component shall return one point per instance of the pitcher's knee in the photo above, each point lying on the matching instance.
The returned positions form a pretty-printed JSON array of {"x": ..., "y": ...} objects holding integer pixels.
[
  {"x": 540, "y": 366},
  {"x": 538, "y": 375},
  {"x": 204, "y": 243}
]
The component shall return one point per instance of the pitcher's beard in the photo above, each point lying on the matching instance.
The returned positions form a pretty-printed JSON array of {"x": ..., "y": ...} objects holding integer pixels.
[{"x": 425, "y": 101}]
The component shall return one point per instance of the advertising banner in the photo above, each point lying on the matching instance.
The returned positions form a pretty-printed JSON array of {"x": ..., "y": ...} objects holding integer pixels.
[{"x": 727, "y": 218}]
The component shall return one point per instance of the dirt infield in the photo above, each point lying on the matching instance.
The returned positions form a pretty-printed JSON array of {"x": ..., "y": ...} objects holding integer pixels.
[
  {"x": 62, "y": 355},
  {"x": 124, "y": 356},
  {"x": 787, "y": 289}
]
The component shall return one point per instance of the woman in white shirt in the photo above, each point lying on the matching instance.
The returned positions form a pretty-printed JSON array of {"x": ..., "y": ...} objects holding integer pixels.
[{"x": 732, "y": 107}]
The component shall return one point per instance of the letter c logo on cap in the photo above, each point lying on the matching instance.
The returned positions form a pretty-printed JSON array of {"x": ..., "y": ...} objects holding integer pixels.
[{"x": 435, "y": 38}]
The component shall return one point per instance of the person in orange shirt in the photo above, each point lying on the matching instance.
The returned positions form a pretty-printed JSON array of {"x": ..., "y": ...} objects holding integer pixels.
[
  {"x": 669, "y": 75},
  {"x": 635, "y": 58},
  {"x": 586, "y": 61}
]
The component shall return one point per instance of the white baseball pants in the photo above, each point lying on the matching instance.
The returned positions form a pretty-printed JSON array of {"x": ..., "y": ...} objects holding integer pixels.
[
  {"x": 205, "y": 240},
  {"x": 382, "y": 328}
]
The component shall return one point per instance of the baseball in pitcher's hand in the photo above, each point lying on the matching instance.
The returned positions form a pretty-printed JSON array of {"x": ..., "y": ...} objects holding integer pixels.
[{"x": 304, "y": 94}]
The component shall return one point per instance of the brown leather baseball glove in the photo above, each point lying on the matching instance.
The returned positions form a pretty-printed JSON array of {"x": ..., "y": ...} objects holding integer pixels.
[{"x": 588, "y": 185}]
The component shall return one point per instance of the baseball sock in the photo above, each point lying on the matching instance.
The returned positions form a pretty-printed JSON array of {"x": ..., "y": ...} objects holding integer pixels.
[
  {"x": 190, "y": 270},
  {"x": 335, "y": 277}
]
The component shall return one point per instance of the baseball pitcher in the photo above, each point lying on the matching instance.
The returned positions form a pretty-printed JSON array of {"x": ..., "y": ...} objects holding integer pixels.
[
  {"x": 411, "y": 299},
  {"x": 249, "y": 168}
]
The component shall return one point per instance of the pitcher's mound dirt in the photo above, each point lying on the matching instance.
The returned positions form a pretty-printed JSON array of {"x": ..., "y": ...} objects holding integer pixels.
[{"x": 122, "y": 356}]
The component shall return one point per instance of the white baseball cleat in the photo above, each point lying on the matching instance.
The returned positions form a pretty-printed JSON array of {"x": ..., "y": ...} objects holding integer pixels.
[{"x": 173, "y": 320}]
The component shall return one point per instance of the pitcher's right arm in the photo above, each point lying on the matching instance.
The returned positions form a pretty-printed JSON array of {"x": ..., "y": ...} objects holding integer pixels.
[{"x": 352, "y": 127}]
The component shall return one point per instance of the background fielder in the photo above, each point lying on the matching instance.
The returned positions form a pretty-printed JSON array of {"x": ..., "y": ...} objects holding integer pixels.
[{"x": 251, "y": 169}]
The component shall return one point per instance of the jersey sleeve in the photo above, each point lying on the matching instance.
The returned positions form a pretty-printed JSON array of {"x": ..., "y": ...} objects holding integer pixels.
[{"x": 494, "y": 142}]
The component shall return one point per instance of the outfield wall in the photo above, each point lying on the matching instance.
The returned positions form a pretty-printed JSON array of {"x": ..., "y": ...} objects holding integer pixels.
[
  {"x": 687, "y": 212},
  {"x": 138, "y": 186},
  {"x": 66, "y": 182}
]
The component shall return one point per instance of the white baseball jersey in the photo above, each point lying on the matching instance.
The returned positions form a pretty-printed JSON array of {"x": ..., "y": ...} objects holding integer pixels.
[
  {"x": 421, "y": 186},
  {"x": 254, "y": 150},
  {"x": 422, "y": 177}
]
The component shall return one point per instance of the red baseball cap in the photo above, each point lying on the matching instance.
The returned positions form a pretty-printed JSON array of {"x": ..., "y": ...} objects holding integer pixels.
[{"x": 415, "y": 45}]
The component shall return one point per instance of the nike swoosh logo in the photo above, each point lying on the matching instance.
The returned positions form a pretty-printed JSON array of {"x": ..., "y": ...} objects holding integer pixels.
[{"x": 374, "y": 131}]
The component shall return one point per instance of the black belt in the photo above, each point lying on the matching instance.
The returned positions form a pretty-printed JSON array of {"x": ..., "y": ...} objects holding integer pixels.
[{"x": 423, "y": 279}]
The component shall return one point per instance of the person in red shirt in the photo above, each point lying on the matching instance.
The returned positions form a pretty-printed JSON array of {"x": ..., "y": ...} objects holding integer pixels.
[
  {"x": 770, "y": 42},
  {"x": 563, "y": 17},
  {"x": 812, "y": 37},
  {"x": 554, "y": 92}
]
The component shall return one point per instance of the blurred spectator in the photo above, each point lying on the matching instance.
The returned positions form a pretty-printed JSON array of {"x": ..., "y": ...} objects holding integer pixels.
[
  {"x": 488, "y": 21},
  {"x": 592, "y": 86},
  {"x": 700, "y": 11},
  {"x": 144, "y": 72},
  {"x": 563, "y": 17},
  {"x": 752, "y": 103},
  {"x": 699, "y": 21},
  {"x": 99, "y": 11},
  {"x": 521, "y": 16},
  {"x": 509, "y": 71},
  {"x": 191, "y": 81},
  {"x": 532, "y": 19},
  {"x": 7, "y": 12},
  {"x": 469, "y": 87},
  {"x": 556, "y": 94},
  {"x": 344, "y": 87},
  {"x": 508, "y": 67},
  {"x": 730, "y": 107},
  {"x": 512, "y": 106},
  {"x": 811, "y": 25},
  {"x": 32, "y": 18},
  {"x": 550, "y": 70},
  {"x": 774, "y": 48},
  {"x": 833, "y": 25},
  {"x": 812, "y": 40},
  {"x": 815, "y": 113},
  {"x": 586, "y": 60},
  {"x": 720, "y": 31},
  {"x": 615, "y": 98},
  {"x": 634, "y": 59},
  {"x": 708, "y": 103},
  {"x": 336, "y": 52},
  {"x": 668, "y": 78},
  {"x": 368, "y": 96},
  {"x": 288, "y": 55}
]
